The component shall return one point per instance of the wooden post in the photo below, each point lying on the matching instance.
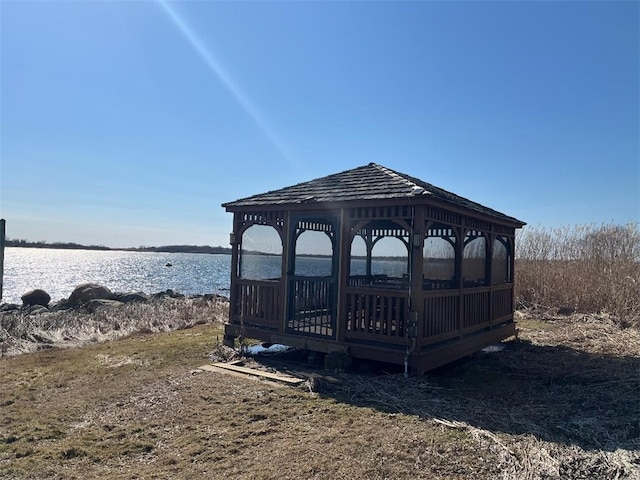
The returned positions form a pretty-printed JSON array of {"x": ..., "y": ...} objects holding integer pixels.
[
  {"x": 462, "y": 231},
  {"x": 416, "y": 254},
  {"x": 488, "y": 272},
  {"x": 287, "y": 257},
  {"x": 368, "y": 240},
  {"x": 234, "y": 239},
  {"x": 512, "y": 259},
  {"x": 344, "y": 254},
  {"x": 512, "y": 272},
  {"x": 2, "y": 233}
]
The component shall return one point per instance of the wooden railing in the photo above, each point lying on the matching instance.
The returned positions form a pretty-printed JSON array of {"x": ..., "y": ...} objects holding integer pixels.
[
  {"x": 475, "y": 309},
  {"x": 370, "y": 313},
  {"x": 312, "y": 310},
  {"x": 501, "y": 302},
  {"x": 450, "y": 313},
  {"x": 376, "y": 314},
  {"x": 359, "y": 280},
  {"x": 441, "y": 318},
  {"x": 379, "y": 281},
  {"x": 258, "y": 302}
]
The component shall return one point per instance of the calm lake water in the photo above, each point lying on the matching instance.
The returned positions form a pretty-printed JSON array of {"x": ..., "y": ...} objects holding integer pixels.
[{"x": 58, "y": 272}]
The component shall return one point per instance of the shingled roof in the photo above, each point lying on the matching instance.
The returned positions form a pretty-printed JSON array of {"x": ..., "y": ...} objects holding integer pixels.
[{"x": 369, "y": 182}]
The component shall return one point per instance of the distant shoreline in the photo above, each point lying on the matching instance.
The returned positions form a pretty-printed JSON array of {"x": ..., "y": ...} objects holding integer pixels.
[{"x": 163, "y": 249}]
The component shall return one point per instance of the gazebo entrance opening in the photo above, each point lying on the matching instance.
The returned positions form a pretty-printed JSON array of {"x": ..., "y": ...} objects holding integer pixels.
[{"x": 312, "y": 278}]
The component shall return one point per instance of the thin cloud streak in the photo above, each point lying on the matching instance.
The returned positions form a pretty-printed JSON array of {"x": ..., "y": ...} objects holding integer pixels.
[{"x": 229, "y": 83}]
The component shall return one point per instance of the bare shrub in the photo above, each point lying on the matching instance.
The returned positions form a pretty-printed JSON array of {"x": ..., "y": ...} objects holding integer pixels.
[{"x": 587, "y": 268}]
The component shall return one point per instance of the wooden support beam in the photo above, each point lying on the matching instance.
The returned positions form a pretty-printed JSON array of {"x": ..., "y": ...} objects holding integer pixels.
[
  {"x": 287, "y": 271},
  {"x": 461, "y": 231},
  {"x": 344, "y": 258}
]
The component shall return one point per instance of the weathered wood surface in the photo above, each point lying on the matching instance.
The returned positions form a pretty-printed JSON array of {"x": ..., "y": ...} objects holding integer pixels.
[{"x": 234, "y": 367}]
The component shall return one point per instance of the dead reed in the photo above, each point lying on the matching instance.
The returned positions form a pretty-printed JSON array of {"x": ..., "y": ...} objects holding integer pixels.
[
  {"x": 584, "y": 268},
  {"x": 22, "y": 333}
]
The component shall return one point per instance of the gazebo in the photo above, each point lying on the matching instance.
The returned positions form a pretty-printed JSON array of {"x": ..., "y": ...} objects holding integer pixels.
[{"x": 374, "y": 264}]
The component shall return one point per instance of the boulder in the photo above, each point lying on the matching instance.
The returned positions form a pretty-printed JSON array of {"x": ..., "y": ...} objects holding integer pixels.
[
  {"x": 168, "y": 293},
  {"x": 97, "y": 303},
  {"x": 36, "y": 297},
  {"x": 131, "y": 297},
  {"x": 173, "y": 294},
  {"x": 9, "y": 307},
  {"x": 89, "y": 291},
  {"x": 59, "y": 305}
]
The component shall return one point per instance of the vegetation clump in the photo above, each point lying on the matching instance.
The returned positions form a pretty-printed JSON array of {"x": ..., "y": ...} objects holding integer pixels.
[
  {"x": 38, "y": 328},
  {"x": 583, "y": 268}
]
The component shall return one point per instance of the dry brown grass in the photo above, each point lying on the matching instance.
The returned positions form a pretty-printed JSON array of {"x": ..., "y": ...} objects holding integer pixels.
[
  {"x": 587, "y": 268},
  {"x": 22, "y": 333},
  {"x": 559, "y": 403}
]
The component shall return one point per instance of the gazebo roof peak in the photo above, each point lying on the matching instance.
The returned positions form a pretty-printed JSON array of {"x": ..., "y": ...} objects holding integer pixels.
[{"x": 371, "y": 182}]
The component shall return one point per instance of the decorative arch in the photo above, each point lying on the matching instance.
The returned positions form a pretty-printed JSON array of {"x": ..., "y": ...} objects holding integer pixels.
[
  {"x": 501, "y": 261},
  {"x": 261, "y": 252},
  {"x": 474, "y": 259},
  {"x": 313, "y": 247},
  {"x": 379, "y": 253},
  {"x": 313, "y": 253},
  {"x": 439, "y": 257}
]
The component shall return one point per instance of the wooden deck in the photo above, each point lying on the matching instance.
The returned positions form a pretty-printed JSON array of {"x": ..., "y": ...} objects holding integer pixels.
[{"x": 373, "y": 321}]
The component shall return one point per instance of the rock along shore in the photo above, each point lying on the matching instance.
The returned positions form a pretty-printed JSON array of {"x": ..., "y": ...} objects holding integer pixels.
[
  {"x": 90, "y": 297},
  {"x": 93, "y": 313}
]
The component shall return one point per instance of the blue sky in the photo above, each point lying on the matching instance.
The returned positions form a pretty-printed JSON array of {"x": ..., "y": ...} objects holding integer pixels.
[{"x": 128, "y": 123}]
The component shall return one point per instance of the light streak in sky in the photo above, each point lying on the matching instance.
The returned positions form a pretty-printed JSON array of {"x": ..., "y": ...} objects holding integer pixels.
[{"x": 227, "y": 80}]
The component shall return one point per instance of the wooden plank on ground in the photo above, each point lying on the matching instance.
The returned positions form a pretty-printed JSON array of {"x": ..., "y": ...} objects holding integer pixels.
[
  {"x": 259, "y": 373},
  {"x": 223, "y": 371}
]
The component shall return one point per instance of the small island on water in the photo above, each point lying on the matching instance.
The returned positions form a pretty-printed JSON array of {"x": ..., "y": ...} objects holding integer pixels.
[{"x": 76, "y": 246}]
